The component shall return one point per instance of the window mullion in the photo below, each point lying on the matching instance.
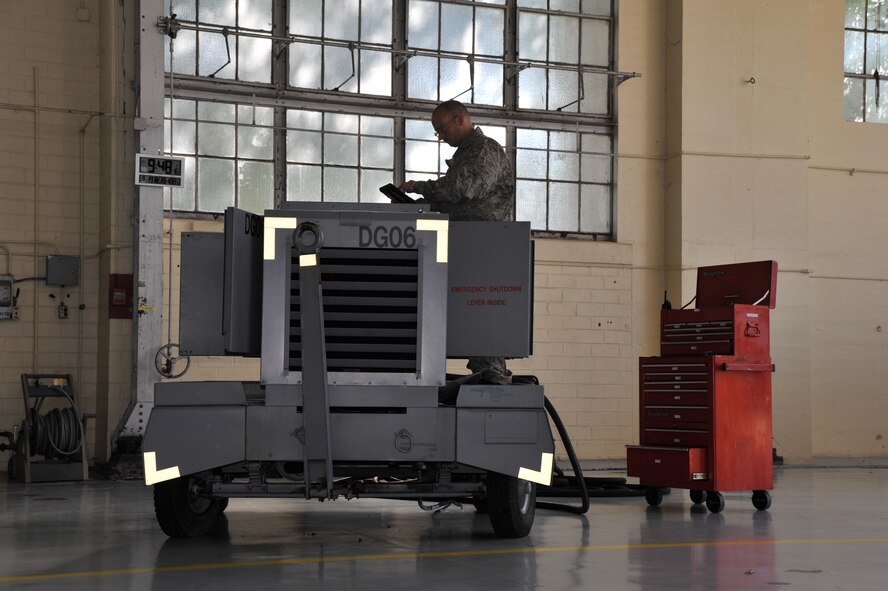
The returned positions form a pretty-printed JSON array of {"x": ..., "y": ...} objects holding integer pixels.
[{"x": 280, "y": 72}]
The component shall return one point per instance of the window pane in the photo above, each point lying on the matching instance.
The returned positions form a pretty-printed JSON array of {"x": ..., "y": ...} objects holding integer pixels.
[
  {"x": 422, "y": 24},
  {"x": 565, "y": 43},
  {"x": 341, "y": 149},
  {"x": 854, "y": 52},
  {"x": 218, "y": 12},
  {"x": 255, "y": 181},
  {"x": 341, "y": 20},
  {"x": 184, "y": 54},
  {"x": 877, "y": 53},
  {"x": 184, "y": 139},
  {"x": 455, "y": 78},
  {"x": 297, "y": 119},
  {"x": 376, "y": 21},
  {"x": 564, "y": 92},
  {"x": 532, "y": 88},
  {"x": 183, "y": 109},
  {"x": 255, "y": 142},
  {"x": 531, "y": 164},
  {"x": 530, "y": 203},
  {"x": 854, "y": 13},
  {"x": 533, "y": 36},
  {"x": 877, "y": 15},
  {"x": 383, "y": 126},
  {"x": 340, "y": 184},
  {"x": 214, "y": 52},
  {"x": 183, "y": 197},
  {"x": 371, "y": 180},
  {"x": 563, "y": 207},
  {"x": 338, "y": 74},
  {"x": 876, "y": 110},
  {"x": 304, "y": 70},
  {"x": 255, "y": 115},
  {"x": 220, "y": 112},
  {"x": 183, "y": 9},
  {"x": 421, "y": 157},
  {"x": 532, "y": 138},
  {"x": 456, "y": 28},
  {"x": 377, "y": 152},
  {"x": 341, "y": 123},
  {"x": 595, "y": 209},
  {"x": 215, "y": 139},
  {"x": 489, "y": 31},
  {"x": 595, "y": 90},
  {"x": 255, "y": 59},
  {"x": 376, "y": 73},
  {"x": 853, "y": 99},
  {"x": 488, "y": 84},
  {"x": 303, "y": 183},
  {"x": 305, "y": 18},
  {"x": 303, "y": 146},
  {"x": 422, "y": 82},
  {"x": 254, "y": 14},
  {"x": 596, "y": 43},
  {"x": 597, "y": 7},
  {"x": 215, "y": 185},
  {"x": 564, "y": 166}
]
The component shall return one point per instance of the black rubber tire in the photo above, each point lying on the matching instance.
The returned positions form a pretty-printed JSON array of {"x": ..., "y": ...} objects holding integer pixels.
[
  {"x": 698, "y": 497},
  {"x": 511, "y": 505},
  {"x": 715, "y": 501},
  {"x": 653, "y": 496},
  {"x": 761, "y": 500},
  {"x": 180, "y": 512}
]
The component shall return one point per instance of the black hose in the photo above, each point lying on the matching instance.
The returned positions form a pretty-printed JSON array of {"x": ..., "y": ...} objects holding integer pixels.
[
  {"x": 58, "y": 433},
  {"x": 575, "y": 464}
]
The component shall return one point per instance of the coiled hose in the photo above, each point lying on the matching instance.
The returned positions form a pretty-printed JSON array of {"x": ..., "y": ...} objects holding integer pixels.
[{"x": 58, "y": 433}]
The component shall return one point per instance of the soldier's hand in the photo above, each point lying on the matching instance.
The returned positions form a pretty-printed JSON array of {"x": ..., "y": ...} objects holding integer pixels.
[{"x": 409, "y": 186}]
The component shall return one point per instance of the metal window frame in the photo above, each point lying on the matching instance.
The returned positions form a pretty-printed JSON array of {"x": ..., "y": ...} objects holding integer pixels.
[
  {"x": 398, "y": 106},
  {"x": 876, "y": 79}
]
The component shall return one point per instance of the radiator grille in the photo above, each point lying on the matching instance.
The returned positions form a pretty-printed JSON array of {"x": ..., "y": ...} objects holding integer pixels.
[{"x": 370, "y": 310}]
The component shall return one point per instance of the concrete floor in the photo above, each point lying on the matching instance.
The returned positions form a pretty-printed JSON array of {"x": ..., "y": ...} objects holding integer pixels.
[{"x": 827, "y": 529}]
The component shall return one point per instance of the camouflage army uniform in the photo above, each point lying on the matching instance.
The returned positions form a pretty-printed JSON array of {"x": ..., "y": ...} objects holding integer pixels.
[{"x": 478, "y": 186}]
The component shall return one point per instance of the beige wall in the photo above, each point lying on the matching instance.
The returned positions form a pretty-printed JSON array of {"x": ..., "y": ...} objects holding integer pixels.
[{"x": 712, "y": 169}]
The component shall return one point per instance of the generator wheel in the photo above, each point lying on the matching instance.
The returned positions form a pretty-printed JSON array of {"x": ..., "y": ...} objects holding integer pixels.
[
  {"x": 183, "y": 510},
  {"x": 511, "y": 504},
  {"x": 653, "y": 496}
]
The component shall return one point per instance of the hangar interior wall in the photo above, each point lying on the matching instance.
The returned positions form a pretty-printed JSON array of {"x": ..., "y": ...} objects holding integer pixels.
[{"x": 712, "y": 169}]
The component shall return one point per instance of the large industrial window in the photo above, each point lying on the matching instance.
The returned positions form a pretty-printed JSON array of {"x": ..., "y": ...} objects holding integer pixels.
[
  {"x": 327, "y": 100},
  {"x": 866, "y": 60}
]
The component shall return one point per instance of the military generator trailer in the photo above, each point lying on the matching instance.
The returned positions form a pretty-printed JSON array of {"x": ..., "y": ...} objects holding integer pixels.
[{"x": 354, "y": 310}]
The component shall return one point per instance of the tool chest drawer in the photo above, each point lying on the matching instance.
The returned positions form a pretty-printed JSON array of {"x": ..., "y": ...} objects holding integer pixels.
[
  {"x": 671, "y": 466},
  {"x": 676, "y": 417},
  {"x": 676, "y": 437},
  {"x": 733, "y": 330}
]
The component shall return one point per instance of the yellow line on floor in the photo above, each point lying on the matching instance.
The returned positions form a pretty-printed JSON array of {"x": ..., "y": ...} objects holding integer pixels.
[{"x": 417, "y": 555}]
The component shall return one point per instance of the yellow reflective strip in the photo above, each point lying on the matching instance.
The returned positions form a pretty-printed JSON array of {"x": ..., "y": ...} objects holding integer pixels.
[
  {"x": 543, "y": 475},
  {"x": 442, "y": 227},
  {"x": 272, "y": 224},
  {"x": 308, "y": 260},
  {"x": 152, "y": 474}
]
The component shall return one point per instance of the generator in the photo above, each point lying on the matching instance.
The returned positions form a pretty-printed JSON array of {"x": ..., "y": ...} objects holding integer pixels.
[{"x": 353, "y": 310}]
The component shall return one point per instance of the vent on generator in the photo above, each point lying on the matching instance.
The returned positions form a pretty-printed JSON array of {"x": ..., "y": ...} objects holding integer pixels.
[{"x": 370, "y": 299}]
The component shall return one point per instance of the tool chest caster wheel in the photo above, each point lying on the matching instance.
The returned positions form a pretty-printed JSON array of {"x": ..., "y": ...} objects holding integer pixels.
[
  {"x": 511, "y": 505},
  {"x": 761, "y": 499},
  {"x": 715, "y": 501},
  {"x": 698, "y": 496},
  {"x": 654, "y": 496}
]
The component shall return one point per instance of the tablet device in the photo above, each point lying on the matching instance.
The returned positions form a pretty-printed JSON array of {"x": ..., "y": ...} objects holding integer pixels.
[{"x": 395, "y": 194}]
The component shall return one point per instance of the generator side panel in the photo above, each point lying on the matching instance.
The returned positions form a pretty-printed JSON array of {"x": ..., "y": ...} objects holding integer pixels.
[
  {"x": 200, "y": 294},
  {"x": 490, "y": 290}
]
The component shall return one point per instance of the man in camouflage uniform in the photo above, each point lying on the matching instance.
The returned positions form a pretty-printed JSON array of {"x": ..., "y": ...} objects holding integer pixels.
[{"x": 478, "y": 186}]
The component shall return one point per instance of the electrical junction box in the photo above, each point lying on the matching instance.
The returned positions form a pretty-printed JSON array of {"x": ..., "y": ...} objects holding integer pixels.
[
  {"x": 7, "y": 295},
  {"x": 62, "y": 270}
]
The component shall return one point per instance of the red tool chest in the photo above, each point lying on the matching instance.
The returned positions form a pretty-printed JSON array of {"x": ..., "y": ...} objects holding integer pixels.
[{"x": 705, "y": 402}]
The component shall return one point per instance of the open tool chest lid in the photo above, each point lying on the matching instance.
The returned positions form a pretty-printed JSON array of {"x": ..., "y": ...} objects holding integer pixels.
[{"x": 739, "y": 283}]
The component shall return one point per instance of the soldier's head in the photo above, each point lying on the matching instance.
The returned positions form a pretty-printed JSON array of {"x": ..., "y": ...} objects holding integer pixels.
[{"x": 452, "y": 122}]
